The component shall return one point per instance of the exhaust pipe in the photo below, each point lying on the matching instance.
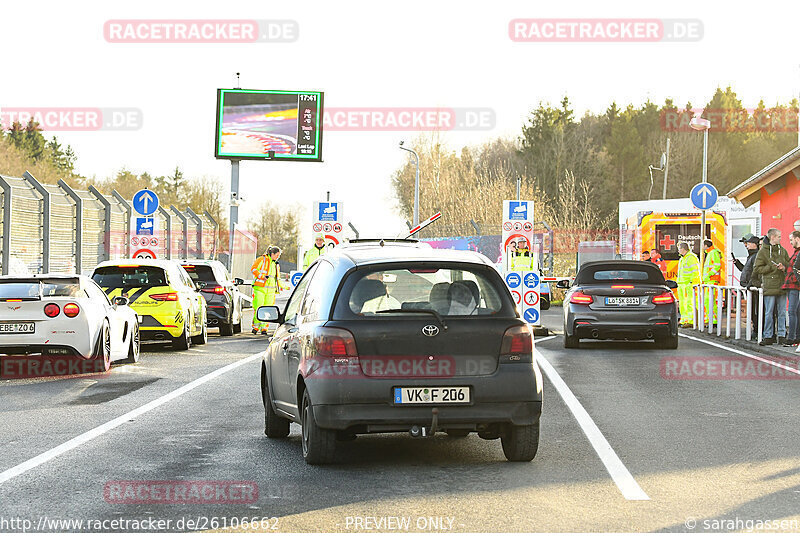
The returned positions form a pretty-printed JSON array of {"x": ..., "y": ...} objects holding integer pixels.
[
  {"x": 595, "y": 333},
  {"x": 649, "y": 334}
]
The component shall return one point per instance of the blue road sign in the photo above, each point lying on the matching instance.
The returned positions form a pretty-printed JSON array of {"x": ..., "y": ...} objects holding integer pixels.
[
  {"x": 144, "y": 225},
  {"x": 513, "y": 280},
  {"x": 518, "y": 210},
  {"x": 145, "y": 202},
  {"x": 295, "y": 278},
  {"x": 531, "y": 280},
  {"x": 531, "y": 316},
  {"x": 328, "y": 212},
  {"x": 704, "y": 196}
]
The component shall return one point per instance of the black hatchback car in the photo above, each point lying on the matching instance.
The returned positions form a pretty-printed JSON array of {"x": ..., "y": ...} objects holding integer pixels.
[
  {"x": 620, "y": 300},
  {"x": 382, "y": 337},
  {"x": 221, "y": 292}
]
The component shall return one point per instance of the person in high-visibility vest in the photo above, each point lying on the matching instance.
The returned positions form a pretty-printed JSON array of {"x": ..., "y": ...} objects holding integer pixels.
[
  {"x": 522, "y": 258},
  {"x": 266, "y": 284},
  {"x": 317, "y": 250},
  {"x": 688, "y": 275},
  {"x": 712, "y": 268}
]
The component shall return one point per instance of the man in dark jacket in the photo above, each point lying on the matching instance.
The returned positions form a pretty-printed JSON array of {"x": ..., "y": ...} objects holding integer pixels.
[
  {"x": 771, "y": 263},
  {"x": 792, "y": 288},
  {"x": 747, "y": 279}
]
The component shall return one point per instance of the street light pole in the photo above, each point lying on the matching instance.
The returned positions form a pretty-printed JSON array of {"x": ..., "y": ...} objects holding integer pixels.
[
  {"x": 702, "y": 124},
  {"x": 416, "y": 185}
]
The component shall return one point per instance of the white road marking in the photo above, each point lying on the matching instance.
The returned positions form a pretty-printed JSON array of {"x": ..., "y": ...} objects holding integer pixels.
[
  {"x": 627, "y": 485},
  {"x": 116, "y": 422},
  {"x": 740, "y": 352}
]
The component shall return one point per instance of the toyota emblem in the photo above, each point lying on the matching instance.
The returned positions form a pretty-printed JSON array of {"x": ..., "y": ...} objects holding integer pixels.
[{"x": 430, "y": 330}]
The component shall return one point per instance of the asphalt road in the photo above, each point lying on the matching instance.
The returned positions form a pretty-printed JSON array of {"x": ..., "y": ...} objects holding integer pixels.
[{"x": 704, "y": 453}]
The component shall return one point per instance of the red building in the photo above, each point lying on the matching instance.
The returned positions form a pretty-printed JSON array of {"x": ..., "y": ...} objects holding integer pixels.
[{"x": 778, "y": 187}]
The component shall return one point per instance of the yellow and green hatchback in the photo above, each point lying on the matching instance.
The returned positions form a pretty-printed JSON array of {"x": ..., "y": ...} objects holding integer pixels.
[{"x": 168, "y": 302}]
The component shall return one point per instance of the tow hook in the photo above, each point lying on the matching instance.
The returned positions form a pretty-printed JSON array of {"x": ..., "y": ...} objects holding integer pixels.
[{"x": 422, "y": 431}]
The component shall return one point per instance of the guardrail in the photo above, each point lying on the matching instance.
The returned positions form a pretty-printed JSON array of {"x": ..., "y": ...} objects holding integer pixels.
[{"x": 716, "y": 294}]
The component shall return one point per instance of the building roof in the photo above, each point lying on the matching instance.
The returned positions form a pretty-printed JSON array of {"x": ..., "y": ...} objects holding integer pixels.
[{"x": 749, "y": 191}]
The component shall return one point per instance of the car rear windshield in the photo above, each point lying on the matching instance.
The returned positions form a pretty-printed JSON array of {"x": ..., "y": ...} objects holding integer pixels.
[
  {"x": 200, "y": 273},
  {"x": 130, "y": 276},
  {"x": 613, "y": 273},
  {"x": 448, "y": 291},
  {"x": 30, "y": 289}
]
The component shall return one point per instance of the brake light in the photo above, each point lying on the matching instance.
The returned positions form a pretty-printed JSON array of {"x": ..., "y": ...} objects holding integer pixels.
[
  {"x": 664, "y": 298},
  {"x": 622, "y": 286},
  {"x": 517, "y": 340},
  {"x": 334, "y": 342},
  {"x": 219, "y": 289},
  {"x": 51, "y": 310},
  {"x": 14, "y": 300},
  {"x": 72, "y": 310},
  {"x": 579, "y": 297},
  {"x": 165, "y": 297}
]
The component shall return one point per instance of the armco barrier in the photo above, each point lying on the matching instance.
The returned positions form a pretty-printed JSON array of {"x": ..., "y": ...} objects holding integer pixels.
[{"x": 56, "y": 228}]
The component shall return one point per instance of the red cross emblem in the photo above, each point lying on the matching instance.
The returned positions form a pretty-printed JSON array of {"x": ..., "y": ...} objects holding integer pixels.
[{"x": 666, "y": 243}]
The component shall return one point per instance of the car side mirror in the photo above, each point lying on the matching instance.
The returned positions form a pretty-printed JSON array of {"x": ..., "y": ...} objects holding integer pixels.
[
  {"x": 238, "y": 281},
  {"x": 200, "y": 285},
  {"x": 672, "y": 284},
  {"x": 120, "y": 300},
  {"x": 268, "y": 313},
  {"x": 562, "y": 284}
]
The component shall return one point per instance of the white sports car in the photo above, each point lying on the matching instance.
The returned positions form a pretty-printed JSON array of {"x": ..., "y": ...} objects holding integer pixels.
[{"x": 68, "y": 316}]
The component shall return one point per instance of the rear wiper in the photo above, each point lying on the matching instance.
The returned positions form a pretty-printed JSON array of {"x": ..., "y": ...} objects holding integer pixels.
[{"x": 427, "y": 311}]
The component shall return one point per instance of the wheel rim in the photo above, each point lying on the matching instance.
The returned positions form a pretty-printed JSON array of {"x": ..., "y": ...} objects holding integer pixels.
[
  {"x": 106, "y": 348},
  {"x": 304, "y": 421}
]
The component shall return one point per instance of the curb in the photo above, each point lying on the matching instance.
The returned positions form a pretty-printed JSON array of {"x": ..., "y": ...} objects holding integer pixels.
[{"x": 751, "y": 346}]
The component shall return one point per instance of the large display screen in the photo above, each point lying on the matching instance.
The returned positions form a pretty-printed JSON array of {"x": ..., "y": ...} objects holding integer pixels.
[{"x": 269, "y": 125}]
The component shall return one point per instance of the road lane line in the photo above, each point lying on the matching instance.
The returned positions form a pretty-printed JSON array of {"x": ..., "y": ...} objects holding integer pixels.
[
  {"x": 116, "y": 422},
  {"x": 740, "y": 352},
  {"x": 627, "y": 485}
]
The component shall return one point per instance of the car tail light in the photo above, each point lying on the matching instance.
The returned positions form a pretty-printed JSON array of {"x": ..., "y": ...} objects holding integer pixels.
[
  {"x": 52, "y": 310},
  {"x": 580, "y": 297},
  {"x": 165, "y": 297},
  {"x": 334, "y": 342},
  {"x": 517, "y": 340},
  {"x": 219, "y": 289},
  {"x": 72, "y": 310},
  {"x": 663, "y": 298},
  {"x": 622, "y": 286}
]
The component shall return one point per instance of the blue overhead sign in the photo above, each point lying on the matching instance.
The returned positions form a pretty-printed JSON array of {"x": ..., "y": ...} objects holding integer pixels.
[
  {"x": 145, "y": 202},
  {"x": 328, "y": 212},
  {"x": 704, "y": 196},
  {"x": 518, "y": 210}
]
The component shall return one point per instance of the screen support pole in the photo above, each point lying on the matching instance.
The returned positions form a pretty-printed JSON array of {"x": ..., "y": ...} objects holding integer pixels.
[{"x": 234, "y": 208}]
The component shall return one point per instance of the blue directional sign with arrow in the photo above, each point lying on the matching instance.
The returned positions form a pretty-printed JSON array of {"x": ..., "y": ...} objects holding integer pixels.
[
  {"x": 145, "y": 202},
  {"x": 704, "y": 196},
  {"x": 531, "y": 316}
]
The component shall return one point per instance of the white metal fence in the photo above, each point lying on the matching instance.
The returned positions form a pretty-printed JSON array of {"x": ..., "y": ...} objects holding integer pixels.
[
  {"x": 727, "y": 301},
  {"x": 55, "y": 228}
]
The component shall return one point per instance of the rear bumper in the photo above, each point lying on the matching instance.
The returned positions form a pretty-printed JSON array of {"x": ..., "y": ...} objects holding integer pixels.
[
  {"x": 41, "y": 349},
  {"x": 588, "y": 324},
  {"x": 217, "y": 314},
  {"x": 159, "y": 328},
  {"x": 511, "y": 394},
  {"x": 369, "y": 418}
]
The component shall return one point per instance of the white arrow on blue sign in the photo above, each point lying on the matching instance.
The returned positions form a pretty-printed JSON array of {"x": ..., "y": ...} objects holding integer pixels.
[
  {"x": 145, "y": 202},
  {"x": 531, "y": 316},
  {"x": 513, "y": 280},
  {"x": 704, "y": 196},
  {"x": 531, "y": 280}
]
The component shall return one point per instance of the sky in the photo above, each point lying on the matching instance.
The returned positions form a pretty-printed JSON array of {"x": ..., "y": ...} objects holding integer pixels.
[{"x": 362, "y": 54}]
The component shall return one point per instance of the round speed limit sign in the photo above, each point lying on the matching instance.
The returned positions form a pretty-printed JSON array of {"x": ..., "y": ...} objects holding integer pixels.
[{"x": 144, "y": 253}]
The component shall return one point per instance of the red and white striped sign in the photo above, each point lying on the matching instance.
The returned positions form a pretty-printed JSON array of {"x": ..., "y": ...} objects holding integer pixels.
[{"x": 424, "y": 224}]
